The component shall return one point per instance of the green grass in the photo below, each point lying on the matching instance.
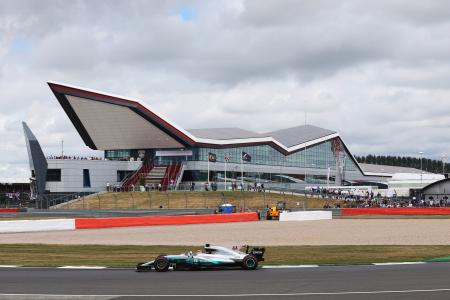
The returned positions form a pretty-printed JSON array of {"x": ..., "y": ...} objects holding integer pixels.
[{"x": 128, "y": 256}]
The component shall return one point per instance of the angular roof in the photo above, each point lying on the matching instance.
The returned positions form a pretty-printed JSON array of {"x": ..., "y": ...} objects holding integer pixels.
[
  {"x": 107, "y": 122},
  {"x": 384, "y": 169},
  {"x": 299, "y": 134},
  {"x": 224, "y": 133}
]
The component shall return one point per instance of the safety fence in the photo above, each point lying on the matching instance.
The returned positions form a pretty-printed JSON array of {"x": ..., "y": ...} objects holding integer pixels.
[
  {"x": 15, "y": 199},
  {"x": 190, "y": 200}
]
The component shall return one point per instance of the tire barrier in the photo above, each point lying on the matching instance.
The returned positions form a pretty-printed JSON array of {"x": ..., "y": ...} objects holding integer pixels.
[
  {"x": 89, "y": 223},
  {"x": 395, "y": 211}
]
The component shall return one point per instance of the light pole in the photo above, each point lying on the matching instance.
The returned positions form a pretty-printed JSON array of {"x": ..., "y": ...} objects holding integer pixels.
[
  {"x": 421, "y": 155},
  {"x": 444, "y": 161}
]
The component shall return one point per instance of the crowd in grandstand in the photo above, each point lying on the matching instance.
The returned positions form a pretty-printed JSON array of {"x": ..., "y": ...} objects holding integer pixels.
[
  {"x": 392, "y": 203},
  {"x": 75, "y": 157}
]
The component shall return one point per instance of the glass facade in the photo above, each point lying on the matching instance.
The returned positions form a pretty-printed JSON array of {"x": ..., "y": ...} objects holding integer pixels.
[
  {"x": 118, "y": 154},
  {"x": 233, "y": 175},
  {"x": 319, "y": 156}
]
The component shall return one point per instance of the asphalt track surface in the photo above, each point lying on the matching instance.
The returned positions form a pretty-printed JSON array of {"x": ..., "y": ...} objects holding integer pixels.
[{"x": 424, "y": 281}]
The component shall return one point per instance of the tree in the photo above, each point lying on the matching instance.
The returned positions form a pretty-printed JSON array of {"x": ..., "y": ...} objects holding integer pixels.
[{"x": 430, "y": 165}]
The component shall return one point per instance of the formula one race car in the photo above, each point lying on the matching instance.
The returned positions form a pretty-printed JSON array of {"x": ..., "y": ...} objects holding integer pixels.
[{"x": 212, "y": 257}]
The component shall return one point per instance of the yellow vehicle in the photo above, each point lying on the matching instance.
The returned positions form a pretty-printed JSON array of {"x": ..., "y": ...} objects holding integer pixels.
[{"x": 274, "y": 212}]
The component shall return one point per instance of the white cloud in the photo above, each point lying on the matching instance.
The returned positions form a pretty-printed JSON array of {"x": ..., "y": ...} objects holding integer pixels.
[{"x": 377, "y": 72}]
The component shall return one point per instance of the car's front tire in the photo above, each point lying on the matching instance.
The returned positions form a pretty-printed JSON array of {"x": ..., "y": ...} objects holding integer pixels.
[
  {"x": 249, "y": 262},
  {"x": 161, "y": 264}
]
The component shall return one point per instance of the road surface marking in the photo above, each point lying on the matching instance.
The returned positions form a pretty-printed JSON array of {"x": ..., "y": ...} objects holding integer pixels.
[
  {"x": 243, "y": 295},
  {"x": 399, "y": 263},
  {"x": 290, "y": 266},
  {"x": 82, "y": 267}
]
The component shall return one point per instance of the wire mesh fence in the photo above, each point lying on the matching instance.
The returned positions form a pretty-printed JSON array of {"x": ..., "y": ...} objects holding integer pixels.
[
  {"x": 243, "y": 200},
  {"x": 15, "y": 199}
]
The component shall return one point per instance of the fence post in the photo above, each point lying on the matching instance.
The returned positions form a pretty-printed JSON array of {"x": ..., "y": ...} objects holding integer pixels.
[
  {"x": 204, "y": 200},
  {"x": 149, "y": 200},
  {"x": 168, "y": 200},
  {"x": 99, "y": 204},
  {"x": 264, "y": 199},
  {"x": 115, "y": 200},
  {"x": 132, "y": 200},
  {"x": 186, "y": 199}
]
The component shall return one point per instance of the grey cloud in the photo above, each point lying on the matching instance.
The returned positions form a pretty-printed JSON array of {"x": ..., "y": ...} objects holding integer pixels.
[{"x": 376, "y": 71}]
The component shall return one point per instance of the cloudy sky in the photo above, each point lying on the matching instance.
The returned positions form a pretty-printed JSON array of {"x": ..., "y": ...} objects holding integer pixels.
[{"x": 378, "y": 72}]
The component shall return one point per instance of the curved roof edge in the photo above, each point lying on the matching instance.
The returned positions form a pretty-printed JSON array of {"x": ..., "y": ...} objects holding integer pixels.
[
  {"x": 61, "y": 90},
  {"x": 435, "y": 183}
]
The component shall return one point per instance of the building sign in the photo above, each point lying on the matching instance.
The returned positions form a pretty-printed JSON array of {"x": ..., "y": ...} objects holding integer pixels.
[{"x": 174, "y": 153}]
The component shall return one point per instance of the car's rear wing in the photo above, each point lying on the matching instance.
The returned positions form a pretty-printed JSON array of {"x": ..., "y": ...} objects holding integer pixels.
[{"x": 257, "y": 252}]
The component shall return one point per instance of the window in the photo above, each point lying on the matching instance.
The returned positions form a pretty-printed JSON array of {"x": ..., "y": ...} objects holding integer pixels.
[
  {"x": 86, "y": 178},
  {"x": 54, "y": 175},
  {"x": 118, "y": 154}
]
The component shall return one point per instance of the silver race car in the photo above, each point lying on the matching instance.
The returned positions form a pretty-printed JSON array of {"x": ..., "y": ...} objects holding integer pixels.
[{"x": 212, "y": 257}]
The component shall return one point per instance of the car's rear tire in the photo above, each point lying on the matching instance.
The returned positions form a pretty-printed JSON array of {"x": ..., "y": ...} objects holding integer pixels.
[
  {"x": 249, "y": 262},
  {"x": 161, "y": 264}
]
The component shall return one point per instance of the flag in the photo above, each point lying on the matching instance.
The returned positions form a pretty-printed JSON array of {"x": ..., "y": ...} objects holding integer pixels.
[
  {"x": 246, "y": 156},
  {"x": 227, "y": 157},
  {"x": 212, "y": 157}
]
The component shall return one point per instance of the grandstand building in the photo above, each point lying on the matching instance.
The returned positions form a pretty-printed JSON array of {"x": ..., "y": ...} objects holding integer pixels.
[{"x": 143, "y": 147}]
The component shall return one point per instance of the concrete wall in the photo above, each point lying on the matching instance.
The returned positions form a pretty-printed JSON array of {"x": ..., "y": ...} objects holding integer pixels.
[
  {"x": 101, "y": 172},
  {"x": 305, "y": 215},
  {"x": 36, "y": 225}
]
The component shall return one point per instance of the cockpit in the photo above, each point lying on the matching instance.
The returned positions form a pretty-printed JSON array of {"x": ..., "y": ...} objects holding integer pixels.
[{"x": 208, "y": 249}]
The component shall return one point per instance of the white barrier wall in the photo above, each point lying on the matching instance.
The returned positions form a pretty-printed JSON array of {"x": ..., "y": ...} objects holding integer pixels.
[
  {"x": 36, "y": 225},
  {"x": 100, "y": 172},
  {"x": 305, "y": 215}
]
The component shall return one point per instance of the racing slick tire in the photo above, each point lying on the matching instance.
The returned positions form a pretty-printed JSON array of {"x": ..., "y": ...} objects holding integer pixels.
[
  {"x": 249, "y": 262},
  {"x": 161, "y": 264}
]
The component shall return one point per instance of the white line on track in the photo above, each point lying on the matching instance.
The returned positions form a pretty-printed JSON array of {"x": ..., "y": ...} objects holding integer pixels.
[
  {"x": 399, "y": 263},
  {"x": 243, "y": 295},
  {"x": 290, "y": 266},
  {"x": 8, "y": 266},
  {"x": 82, "y": 267}
]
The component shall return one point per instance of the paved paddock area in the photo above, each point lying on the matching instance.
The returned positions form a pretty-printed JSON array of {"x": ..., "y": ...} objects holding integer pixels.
[{"x": 324, "y": 232}]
